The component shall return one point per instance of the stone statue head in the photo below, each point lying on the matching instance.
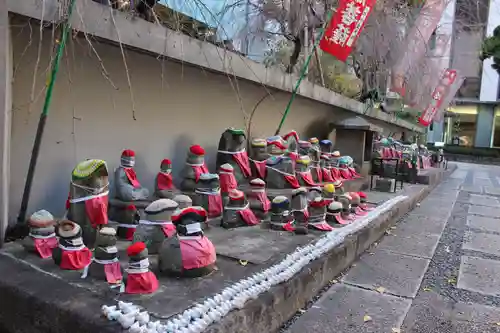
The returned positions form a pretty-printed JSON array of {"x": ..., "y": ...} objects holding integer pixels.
[
  {"x": 166, "y": 166},
  {"x": 258, "y": 149},
  {"x": 188, "y": 221},
  {"x": 276, "y": 145},
  {"x": 292, "y": 141},
  {"x": 232, "y": 140},
  {"x": 127, "y": 159},
  {"x": 89, "y": 177},
  {"x": 326, "y": 146},
  {"x": 209, "y": 182}
]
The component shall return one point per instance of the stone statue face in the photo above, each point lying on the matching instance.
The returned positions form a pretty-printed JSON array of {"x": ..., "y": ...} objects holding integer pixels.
[{"x": 232, "y": 140}]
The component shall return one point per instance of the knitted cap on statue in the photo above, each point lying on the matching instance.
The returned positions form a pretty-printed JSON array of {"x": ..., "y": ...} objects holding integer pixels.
[
  {"x": 363, "y": 204},
  {"x": 140, "y": 279},
  {"x": 195, "y": 166},
  {"x": 326, "y": 170},
  {"x": 258, "y": 157},
  {"x": 190, "y": 253},
  {"x": 231, "y": 150},
  {"x": 317, "y": 215},
  {"x": 292, "y": 141},
  {"x": 183, "y": 201},
  {"x": 237, "y": 212},
  {"x": 164, "y": 186},
  {"x": 303, "y": 172},
  {"x": 208, "y": 196},
  {"x": 258, "y": 200},
  {"x": 127, "y": 185},
  {"x": 300, "y": 210},
  {"x": 105, "y": 264},
  {"x": 281, "y": 214},
  {"x": 334, "y": 214},
  {"x": 329, "y": 192},
  {"x": 157, "y": 224},
  {"x": 71, "y": 254},
  {"x": 42, "y": 238},
  {"x": 355, "y": 202}
]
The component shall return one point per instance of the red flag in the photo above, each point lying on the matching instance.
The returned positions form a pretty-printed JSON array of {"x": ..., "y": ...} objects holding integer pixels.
[
  {"x": 439, "y": 96},
  {"x": 345, "y": 26}
]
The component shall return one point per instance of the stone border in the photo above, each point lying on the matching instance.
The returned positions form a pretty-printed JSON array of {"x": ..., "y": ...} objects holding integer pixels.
[{"x": 35, "y": 301}]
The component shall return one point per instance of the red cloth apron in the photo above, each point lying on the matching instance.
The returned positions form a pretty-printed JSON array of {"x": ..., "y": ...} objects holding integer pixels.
[
  {"x": 335, "y": 174},
  {"x": 44, "y": 246},
  {"x": 366, "y": 207},
  {"x": 168, "y": 229},
  {"x": 164, "y": 181},
  {"x": 214, "y": 205},
  {"x": 289, "y": 226},
  {"x": 227, "y": 182},
  {"x": 353, "y": 172},
  {"x": 326, "y": 175},
  {"x": 198, "y": 170},
  {"x": 248, "y": 216},
  {"x": 318, "y": 173},
  {"x": 358, "y": 211},
  {"x": 292, "y": 180},
  {"x": 307, "y": 178},
  {"x": 260, "y": 168},
  {"x": 345, "y": 174},
  {"x": 196, "y": 252},
  {"x": 97, "y": 210},
  {"x": 262, "y": 197},
  {"x": 241, "y": 158},
  {"x": 341, "y": 220},
  {"x": 132, "y": 177},
  {"x": 141, "y": 283},
  {"x": 113, "y": 272},
  {"x": 75, "y": 260}
]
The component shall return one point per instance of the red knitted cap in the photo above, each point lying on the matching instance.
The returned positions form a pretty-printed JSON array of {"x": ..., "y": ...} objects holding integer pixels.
[
  {"x": 135, "y": 249},
  {"x": 362, "y": 195},
  {"x": 128, "y": 153},
  {"x": 197, "y": 150},
  {"x": 166, "y": 161},
  {"x": 179, "y": 213},
  {"x": 131, "y": 207}
]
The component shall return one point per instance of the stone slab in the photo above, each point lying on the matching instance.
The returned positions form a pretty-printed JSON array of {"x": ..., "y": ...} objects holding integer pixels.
[
  {"x": 476, "y": 313},
  {"x": 418, "y": 245},
  {"x": 414, "y": 224},
  {"x": 342, "y": 308},
  {"x": 255, "y": 244},
  {"x": 482, "y": 182},
  {"x": 479, "y": 275},
  {"x": 484, "y": 200},
  {"x": 472, "y": 189},
  {"x": 482, "y": 242},
  {"x": 484, "y": 223},
  {"x": 492, "y": 190},
  {"x": 436, "y": 210},
  {"x": 399, "y": 274},
  {"x": 484, "y": 211}
]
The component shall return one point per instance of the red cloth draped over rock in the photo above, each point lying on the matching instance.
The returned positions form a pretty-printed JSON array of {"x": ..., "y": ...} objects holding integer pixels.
[
  {"x": 196, "y": 252},
  {"x": 132, "y": 177},
  {"x": 75, "y": 259},
  {"x": 164, "y": 181},
  {"x": 141, "y": 283}
]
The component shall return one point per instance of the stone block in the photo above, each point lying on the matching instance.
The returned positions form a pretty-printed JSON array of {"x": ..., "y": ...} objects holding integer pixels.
[
  {"x": 484, "y": 200},
  {"x": 484, "y": 211},
  {"x": 416, "y": 245},
  {"x": 482, "y": 242},
  {"x": 484, "y": 223},
  {"x": 385, "y": 185},
  {"x": 479, "y": 275}
]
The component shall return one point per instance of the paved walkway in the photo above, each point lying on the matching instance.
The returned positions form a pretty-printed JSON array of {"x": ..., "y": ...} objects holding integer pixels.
[{"x": 437, "y": 271}]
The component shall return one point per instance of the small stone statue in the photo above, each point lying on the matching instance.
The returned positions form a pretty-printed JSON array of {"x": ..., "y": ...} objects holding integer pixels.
[
  {"x": 127, "y": 186},
  {"x": 190, "y": 253},
  {"x": 157, "y": 224},
  {"x": 232, "y": 151},
  {"x": 194, "y": 168},
  {"x": 227, "y": 181},
  {"x": 344, "y": 169},
  {"x": 315, "y": 144},
  {"x": 303, "y": 171},
  {"x": 326, "y": 174},
  {"x": 88, "y": 198},
  {"x": 363, "y": 204},
  {"x": 339, "y": 187},
  {"x": 258, "y": 157},
  {"x": 292, "y": 141},
  {"x": 334, "y": 165},
  {"x": 237, "y": 212},
  {"x": 258, "y": 200},
  {"x": 140, "y": 279},
  {"x": 355, "y": 202},
  {"x": 207, "y": 194},
  {"x": 334, "y": 214},
  {"x": 300, "y": 211},
  {"x": 326, "y": 147},
  {"x": 281, "y": 215},
  {"x": 128, "y": 218},
  {"x": 183, "y": 201},
  {"x": 42, "y": 238},
  {"x": 276, "y": 146},
  {"x": 281, "y": 173},
  {"x": 306, "y": 148},
  {"x": 105, "y": 264},
  {"x": 345, "y": 200},
  {"x": 71, "y": 254},
  {"x": 164, "y": 186},
  {"x": 314, "y": 192},
  {"x": 329, "y": 192},
  {"x": 317, "y": 215}
]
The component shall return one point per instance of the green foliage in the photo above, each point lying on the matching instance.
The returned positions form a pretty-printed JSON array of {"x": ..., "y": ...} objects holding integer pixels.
[{"x": 491, "y": 48}]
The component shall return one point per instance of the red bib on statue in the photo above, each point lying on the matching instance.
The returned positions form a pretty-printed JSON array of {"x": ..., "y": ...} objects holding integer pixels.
[{"x": 141, "y": 283}]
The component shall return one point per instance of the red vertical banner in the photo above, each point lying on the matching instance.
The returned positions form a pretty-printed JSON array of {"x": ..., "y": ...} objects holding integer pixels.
[
  {"x": 440, "y": 96},
  {"x": 345, "y": 27}
]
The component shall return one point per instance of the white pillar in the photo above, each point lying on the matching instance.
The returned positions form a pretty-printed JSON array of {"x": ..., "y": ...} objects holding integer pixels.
[{"x": 5, "y": 115}]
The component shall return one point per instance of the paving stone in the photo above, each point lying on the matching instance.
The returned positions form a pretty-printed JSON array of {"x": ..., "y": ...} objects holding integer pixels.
[
  {"x": 492, "y": 190},
  {"x": 482, "y": 242},
  {"x": 342, "y": 308},
  {"x": 399, "y": 274},
  {"x": 484, "y": 223},
  {"x": 417, "y": 245},
  {"x": 415, "y": 224},
  {"x": 472, "y": 188},
  {"x": 484, "y": 211},
  {"x": 484, "y": 200},
  {"x": 442, "y": 211},
  {"x": 479, "y": 275},
  {"x": 429, "y": 312},
  {"x": 476, "y": 313}
]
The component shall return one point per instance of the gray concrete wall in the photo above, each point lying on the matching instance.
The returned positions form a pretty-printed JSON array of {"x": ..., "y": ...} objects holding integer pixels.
[
  {"x": 5, "y": 115},
  {"x": 352, "y": 143},
  {"x": 89, "y": 118},
  {"x": 484, "y": 125}
]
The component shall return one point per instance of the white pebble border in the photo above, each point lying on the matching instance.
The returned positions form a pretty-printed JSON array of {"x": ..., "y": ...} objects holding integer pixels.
[{"x": 197, "y": 318}]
